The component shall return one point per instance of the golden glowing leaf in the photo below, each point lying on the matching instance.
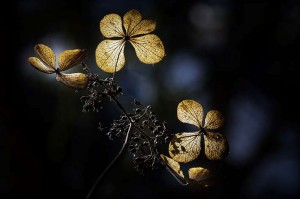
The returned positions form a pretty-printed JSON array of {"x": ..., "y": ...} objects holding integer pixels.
[
  {"x": 39, "y": 65},
  {"x": 148, "y": 48},
  {"x": 130, "y": 20},
  {"x": 198, "y": 174},
  {"x": 111, "y": 26},
  {"x": 69, "y": 58},
  {"x": 46, "y": 54},
  {"x": 74, "y": 80},
  {"x": 191, "y": 112},
  {"x": 185, "y": 147},
  {"x": 144, "y": 27},
  {"x": 213, "y": 120},
  {"x": 110, "y": 55},
  {"x": 216, "y": 146},
  {"x": 173, "y": 165}
]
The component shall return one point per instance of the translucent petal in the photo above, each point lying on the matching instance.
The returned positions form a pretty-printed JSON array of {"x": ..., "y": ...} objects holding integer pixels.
[
  {"x": 130, "y": 20},
  {"x": 73, "y": 80},
  {"x": 144, "y": 27},
  {"x": 198, "y": 173},
  {"x": 39, "y": 65},
  {"x": 173, "y": 165},
  {"x": 185, "y": 147},
  {"x": 111, "y": 26},
  {"x": 110, "y": 55},
  {"x": 148, "y": 48},
  {"x": 213, "y": 120},
  {"x": 191, "y": 112},
  {"x": 46, "y": 54},
  {"x": 215, "y": 146},
  {"x": 69, "y": 58}
]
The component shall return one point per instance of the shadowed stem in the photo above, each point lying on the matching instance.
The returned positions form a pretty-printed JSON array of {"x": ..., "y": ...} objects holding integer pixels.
[
  {"x": 179, "y": 179},
  {"x": 131, "y": 123},
  {"x": 111, "y": 163}
]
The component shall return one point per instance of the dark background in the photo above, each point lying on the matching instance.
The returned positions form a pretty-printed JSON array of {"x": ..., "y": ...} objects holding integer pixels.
[{"x": 239, "y": 57}]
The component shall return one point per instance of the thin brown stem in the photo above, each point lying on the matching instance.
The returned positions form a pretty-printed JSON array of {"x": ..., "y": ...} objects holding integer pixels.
[
  {"x": 131, "y": 124},
  {"x": 110, "y": 164}
]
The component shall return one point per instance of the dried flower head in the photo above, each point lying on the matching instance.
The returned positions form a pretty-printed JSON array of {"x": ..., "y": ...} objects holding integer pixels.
[
  {"x": 185, "y": 147},
  {"x": 46, "y": 62},
  {"x": 110, "y": 52}
]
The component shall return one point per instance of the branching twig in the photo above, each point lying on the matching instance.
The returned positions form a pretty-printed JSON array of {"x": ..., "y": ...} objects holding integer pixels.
[
  {"x": 126, "y": 114},
  {"x": 141, "y": 145}
]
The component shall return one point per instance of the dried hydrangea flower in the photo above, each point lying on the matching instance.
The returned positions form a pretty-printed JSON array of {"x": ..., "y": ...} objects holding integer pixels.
[
  {"x": 186, "y": 146},
  {"x": 46, "y": 62},
  {"x": 110, "y": 52}
]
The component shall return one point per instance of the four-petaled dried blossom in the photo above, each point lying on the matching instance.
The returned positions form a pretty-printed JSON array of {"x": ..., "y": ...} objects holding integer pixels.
[
  {"x": 110, "y": 52},
  {"x": 185, "y": 147},
  {"x": 66, "y": 60}
]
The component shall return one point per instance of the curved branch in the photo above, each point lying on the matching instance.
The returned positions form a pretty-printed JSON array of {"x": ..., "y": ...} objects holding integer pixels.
[{"x": 111, "y": 163}]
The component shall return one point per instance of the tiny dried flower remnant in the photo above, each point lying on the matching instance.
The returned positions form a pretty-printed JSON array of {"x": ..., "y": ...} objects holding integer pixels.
[
  {"x": 110, "y": 52},
  {"x": 197, "y": 175},
  {"x": 66, "y": 60},
  {"x": 185, "y": 147}
]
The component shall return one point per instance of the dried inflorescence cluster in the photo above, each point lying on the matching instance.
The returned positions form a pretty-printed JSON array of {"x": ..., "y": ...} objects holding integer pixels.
[
  {"x": 99, "y": 91},
  {"x": 147, "y": 133}
]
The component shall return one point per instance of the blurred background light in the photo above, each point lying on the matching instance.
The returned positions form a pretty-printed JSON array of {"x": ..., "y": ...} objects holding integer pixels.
[
  {"x": 211, "y": 22},
  {"x": 186, "y": 73},
  {"x": 248, "y": 124}
]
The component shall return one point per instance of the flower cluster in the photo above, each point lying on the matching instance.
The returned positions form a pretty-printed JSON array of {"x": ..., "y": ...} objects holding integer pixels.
[
  {"x": 99, "y": 91},
  {"x": 147, "y": 133}
]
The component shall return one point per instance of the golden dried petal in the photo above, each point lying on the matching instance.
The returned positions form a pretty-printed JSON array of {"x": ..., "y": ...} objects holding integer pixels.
[
  {"x": 130, "y": 20},
  {"x": 69, "y": 58},
  {"x": 185, "y": 147},
  {"x": 148, "y": 48},
  {"x": 213, "y": 120},
  {"x": 191, "y": 112},
  {"x": 110, "y": 55},
  {"x": 198, "y": 174},
  {"x": 73, "y": 80},
  {"x": 173, "y": 165},
  {"x": 215, "y": 146},
  {"x": 39, "y": 65},
  {"x": 111, "y": 26},
  {"x": 46, "y": 54},
  {"x": 144, "y": 27}
]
